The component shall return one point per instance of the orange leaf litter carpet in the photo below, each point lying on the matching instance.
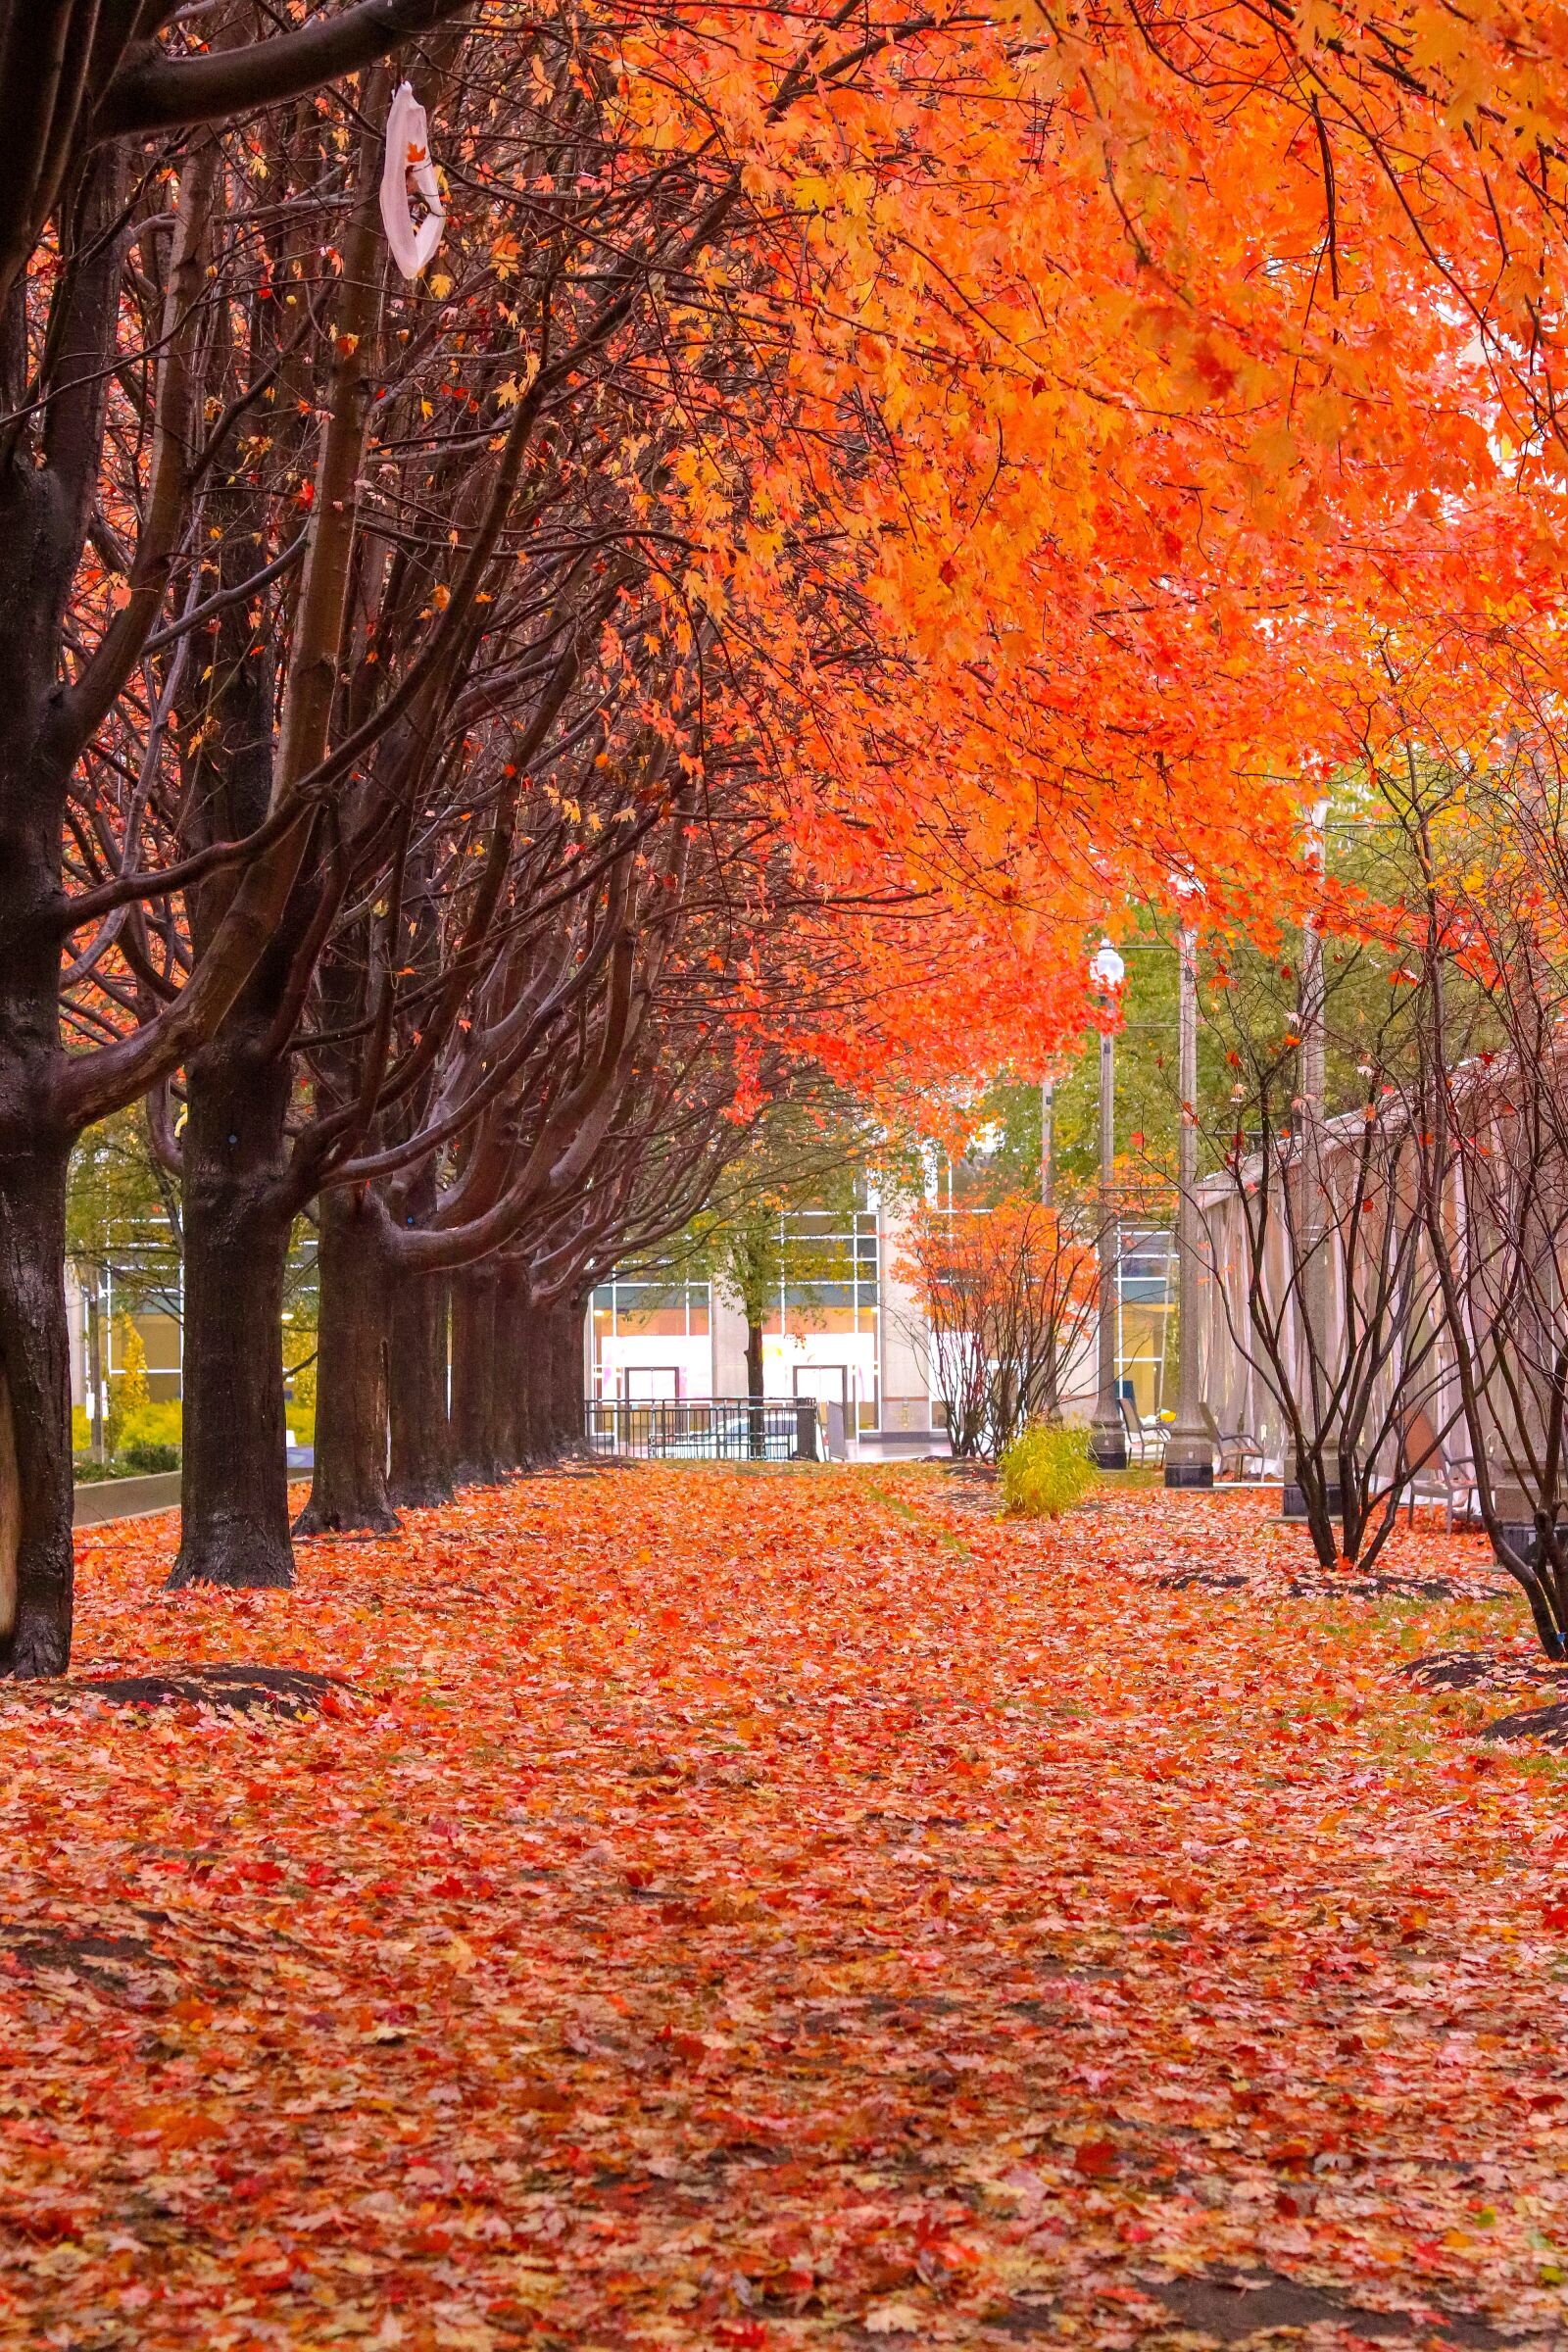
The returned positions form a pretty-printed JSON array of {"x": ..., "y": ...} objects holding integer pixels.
[{"x": 769, "y": 1909}]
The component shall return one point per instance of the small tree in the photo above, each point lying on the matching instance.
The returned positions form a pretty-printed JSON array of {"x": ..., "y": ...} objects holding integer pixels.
[
  {"x": 1492, "y": 1105},
  {"x": 129, "y": 1392},
  {"x": 802, "y": 1153},
  {"x": 749, "y": 1265},
  {"x": 1006, "y": 1293},
  {"x": 1314, "y": 1233}
]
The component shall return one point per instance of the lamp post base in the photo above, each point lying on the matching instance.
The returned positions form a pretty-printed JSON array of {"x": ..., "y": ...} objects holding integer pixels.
[
  {"x": 1107, "y": 1443},
  {"x": 1294, "y": 1503},
  {"x": 1515, "y": 1509},
  {"x": 1189, "y": 1461}
]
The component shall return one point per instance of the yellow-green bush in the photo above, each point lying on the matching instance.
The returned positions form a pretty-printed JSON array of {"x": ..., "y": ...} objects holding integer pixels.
[
  {"x": 154, "y": 1423},
  {"x": 128, "y": 1387},
  {"x": 147, "y": 1439},
  {"x": 1046, "y": 1471}
]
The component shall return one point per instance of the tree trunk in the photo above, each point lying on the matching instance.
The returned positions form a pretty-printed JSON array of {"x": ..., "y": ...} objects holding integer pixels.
[
  {"x": 753, "y": 1387},
  {"x": 233, "y": 1463},
  {"x": 422, "y": 1454},
  {"x": 44, "y": 510},
  {"x": 36, "y": 1567},
  {"x": 36, "y": 1539},
  {"x": 536, "y": 1428},
  {"x": 473, "y": 1368},
  {"x": 509, "y": 1403},
  {"x": 564, "y": 1327},
  {"x": 533, "y": 1373},
  {"x": 349, "y": 1487}
]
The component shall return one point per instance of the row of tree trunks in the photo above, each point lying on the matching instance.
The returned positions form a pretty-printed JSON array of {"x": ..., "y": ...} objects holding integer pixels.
[
  {"x": 349, "y": 1489},
  {"x": 385, "y": 1438},
  {"x": 419, "y": 1475},
  {"x": 473, "y": 1377}
]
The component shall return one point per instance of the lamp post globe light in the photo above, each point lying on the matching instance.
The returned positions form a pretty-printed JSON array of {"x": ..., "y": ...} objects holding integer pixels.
[{"x": 1107, "y": 1437}]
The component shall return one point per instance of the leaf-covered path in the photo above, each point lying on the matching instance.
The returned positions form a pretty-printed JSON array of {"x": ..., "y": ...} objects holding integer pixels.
[{"x": 781, "y": 1909}]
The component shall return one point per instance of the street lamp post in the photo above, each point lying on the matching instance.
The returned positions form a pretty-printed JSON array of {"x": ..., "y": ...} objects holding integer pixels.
[
  {"x": 1189, "y": 1449},
  {"x": 1108, "y": 1437},
  {"x": 1052, "y": 1399}
]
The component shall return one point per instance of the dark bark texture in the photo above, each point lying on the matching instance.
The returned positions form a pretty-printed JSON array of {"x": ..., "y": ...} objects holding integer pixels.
[
  {"x": 349, "y": 1488},
  {"x": 508, "y": 1406},
  {"x": 234, "y": 1477},
  {"x": 474, "y": 1371},
  {"x": 420, "y": 1474},
  {"x": 36, "y": 1536},
  {"x": 43, "y": 515},
  {"x": 565, "y": 1376}
]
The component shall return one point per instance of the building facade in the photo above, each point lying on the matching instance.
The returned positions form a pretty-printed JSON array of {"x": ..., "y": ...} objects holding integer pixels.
[
  {"x": 842, "y": 1327},
  {"x": 845, "y": 1327}
]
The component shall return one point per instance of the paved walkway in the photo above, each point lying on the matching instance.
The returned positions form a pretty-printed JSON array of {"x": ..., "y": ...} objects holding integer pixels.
[{"x": 721, "y": 1908}]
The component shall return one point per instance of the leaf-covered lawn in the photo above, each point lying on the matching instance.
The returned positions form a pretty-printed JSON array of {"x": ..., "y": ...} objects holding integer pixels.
[{"x": 761, "y": 1909}]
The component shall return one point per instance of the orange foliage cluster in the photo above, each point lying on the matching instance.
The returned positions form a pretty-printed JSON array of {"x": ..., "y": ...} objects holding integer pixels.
[
  {"x": 768, "y": 1909},
  {"x": 1147, "y": 407},
  {"x": 1199, "y": 367}
]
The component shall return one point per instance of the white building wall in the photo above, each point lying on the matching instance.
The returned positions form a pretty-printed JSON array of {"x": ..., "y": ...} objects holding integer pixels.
[
  {"x": 906, "y": 1367},
  {"x": 728, "y": 1350},
  {"x": 77, "y": 1322}
]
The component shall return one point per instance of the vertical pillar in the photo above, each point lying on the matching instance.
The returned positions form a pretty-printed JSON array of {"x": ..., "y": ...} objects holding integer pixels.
[
  {"x": 1189, "y": 1451},
  {"x": 1052, "y": 1399},
  {"x": 1108, "y": 1436}
]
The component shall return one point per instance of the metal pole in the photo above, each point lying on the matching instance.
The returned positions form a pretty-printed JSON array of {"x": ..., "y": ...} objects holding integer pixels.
[
  {"x": 1052, "y": 1399},
  {"x": 1107, "y": 1440},
  {"x": 1189, "y": 1451}
]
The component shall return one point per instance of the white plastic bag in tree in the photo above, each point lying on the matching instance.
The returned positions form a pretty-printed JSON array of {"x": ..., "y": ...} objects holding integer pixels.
[{"x": 407, "y": 149}]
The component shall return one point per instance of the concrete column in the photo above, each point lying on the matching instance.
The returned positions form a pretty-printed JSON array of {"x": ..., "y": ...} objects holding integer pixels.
[
  {"x": 1189, "y": 1449},
  {"x": 1107, "y": 1441},
  {"x": 727, "y": 1325}
]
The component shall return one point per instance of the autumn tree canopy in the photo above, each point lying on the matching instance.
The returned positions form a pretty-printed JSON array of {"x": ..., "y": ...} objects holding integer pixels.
[{"x": 853, "y": 500}]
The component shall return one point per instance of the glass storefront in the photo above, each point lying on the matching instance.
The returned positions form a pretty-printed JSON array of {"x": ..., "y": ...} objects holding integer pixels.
[{"x": 652, "y": 1336}]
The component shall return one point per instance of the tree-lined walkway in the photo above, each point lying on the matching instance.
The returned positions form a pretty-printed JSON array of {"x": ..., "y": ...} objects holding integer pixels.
[{"x": 758, "y": 1909}]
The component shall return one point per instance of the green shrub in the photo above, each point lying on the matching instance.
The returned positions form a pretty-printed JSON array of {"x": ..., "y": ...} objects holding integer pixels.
[
  {"x": 1046, "y": 1471},
  {"x": 144, "y": 1457},
  {"x": 158, "y": 1422}
]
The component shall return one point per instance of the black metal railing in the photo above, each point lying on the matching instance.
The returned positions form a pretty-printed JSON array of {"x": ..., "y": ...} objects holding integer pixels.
[{"x": 724, "y": 1429}]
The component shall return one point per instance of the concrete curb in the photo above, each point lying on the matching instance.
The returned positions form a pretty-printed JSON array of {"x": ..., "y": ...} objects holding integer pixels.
[{"x": 108, "y": 1499}]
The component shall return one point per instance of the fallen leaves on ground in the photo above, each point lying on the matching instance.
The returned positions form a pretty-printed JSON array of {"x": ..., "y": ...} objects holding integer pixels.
[{"x": 728, "y": 1908}]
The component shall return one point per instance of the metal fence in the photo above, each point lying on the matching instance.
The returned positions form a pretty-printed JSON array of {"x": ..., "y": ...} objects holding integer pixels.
[{"x": 725, "y": 1429}]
